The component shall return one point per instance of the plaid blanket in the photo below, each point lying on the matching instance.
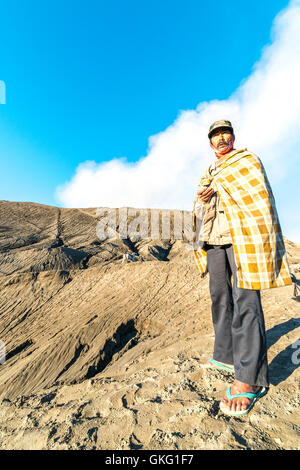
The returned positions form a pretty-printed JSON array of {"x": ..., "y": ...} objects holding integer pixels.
[{"x": 249, "y": 205}]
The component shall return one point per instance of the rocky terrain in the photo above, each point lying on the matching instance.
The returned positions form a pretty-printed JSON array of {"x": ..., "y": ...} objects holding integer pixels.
[{"x": 101, "y": 354}]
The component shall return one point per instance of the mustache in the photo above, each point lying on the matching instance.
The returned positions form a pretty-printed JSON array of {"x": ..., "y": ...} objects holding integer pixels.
[{"x": 222, "y": 143}]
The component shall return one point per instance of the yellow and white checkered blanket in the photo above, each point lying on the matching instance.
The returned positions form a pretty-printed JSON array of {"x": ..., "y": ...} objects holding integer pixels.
[{"x": 249, "y": 205}]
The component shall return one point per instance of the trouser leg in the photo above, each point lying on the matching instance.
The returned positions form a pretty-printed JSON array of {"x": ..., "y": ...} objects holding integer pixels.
[
  {"x": 238, "y": 319},
  {"x": 222, "y": 302},
  {"x": 248, "y": 333}
]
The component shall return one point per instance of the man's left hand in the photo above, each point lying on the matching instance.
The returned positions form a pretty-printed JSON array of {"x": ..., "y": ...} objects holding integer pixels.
[{"x": 205, "y": 194}]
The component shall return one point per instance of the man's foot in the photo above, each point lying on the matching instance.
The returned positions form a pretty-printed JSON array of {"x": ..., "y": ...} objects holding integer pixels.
[{"x": 239, "y": 403}]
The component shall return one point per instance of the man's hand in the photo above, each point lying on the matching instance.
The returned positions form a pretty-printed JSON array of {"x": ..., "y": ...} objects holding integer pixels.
[{"x": 205, "y": 194}]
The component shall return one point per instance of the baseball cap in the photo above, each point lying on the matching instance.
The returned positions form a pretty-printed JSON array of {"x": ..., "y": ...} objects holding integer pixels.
[{"x": 217, "y": 125}]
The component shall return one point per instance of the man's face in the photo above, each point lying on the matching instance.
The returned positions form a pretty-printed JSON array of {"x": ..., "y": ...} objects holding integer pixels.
[{"x": 222, "y": 141}]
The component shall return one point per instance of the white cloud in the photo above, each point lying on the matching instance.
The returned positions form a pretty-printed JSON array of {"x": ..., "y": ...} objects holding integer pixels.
[{"x": 265, "y": 111}]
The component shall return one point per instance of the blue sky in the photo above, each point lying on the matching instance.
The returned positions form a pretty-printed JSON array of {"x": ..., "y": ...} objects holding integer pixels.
[{"x": 90, "y": 82}]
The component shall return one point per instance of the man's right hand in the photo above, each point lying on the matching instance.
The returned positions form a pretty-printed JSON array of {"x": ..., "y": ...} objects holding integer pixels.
[{"x": 205, "y": 194}]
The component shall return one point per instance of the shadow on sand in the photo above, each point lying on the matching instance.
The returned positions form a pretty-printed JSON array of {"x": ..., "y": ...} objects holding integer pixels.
[{"x": 288, "y": 360}]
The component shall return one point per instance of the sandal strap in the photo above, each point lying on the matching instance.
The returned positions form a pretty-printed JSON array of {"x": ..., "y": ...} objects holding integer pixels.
[
  {"x": 242, "y": 395},
  {"x": 219, "y": 364}
]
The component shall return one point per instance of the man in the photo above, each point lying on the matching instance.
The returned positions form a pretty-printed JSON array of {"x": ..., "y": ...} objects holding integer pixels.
[{"x": 240, "y": 245}]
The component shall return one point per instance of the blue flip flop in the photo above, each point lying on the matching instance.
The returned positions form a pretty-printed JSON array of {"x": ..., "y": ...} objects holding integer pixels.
[
  {"x": 219, "y": 366},
  {"x": 253, "y": 396}
]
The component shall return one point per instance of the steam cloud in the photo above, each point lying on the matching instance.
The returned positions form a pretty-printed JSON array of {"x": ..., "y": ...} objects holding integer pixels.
[{"x": 265, "y": 112}]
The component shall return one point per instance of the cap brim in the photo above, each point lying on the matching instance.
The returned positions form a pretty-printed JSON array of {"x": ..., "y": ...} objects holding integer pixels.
[{"x": 218, "y": 129}]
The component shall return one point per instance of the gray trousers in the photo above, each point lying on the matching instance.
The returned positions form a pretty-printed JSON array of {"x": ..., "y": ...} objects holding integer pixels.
[{"x": 238, "y": 319}]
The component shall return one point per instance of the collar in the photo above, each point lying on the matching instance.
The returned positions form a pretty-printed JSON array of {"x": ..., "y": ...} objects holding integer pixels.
[{"x": 231, "y": 154}]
